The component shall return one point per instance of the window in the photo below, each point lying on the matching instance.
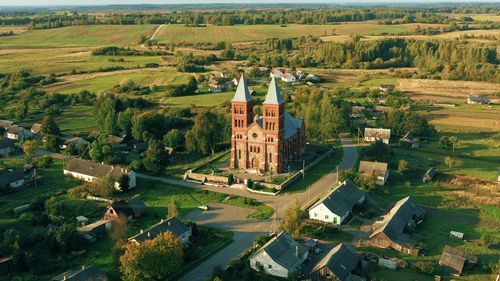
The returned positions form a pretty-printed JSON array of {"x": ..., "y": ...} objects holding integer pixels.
[
  {"x": 326, "y": 217},
  {"x": 269, "y": 266},
  {"x": 315, "y": 215}
]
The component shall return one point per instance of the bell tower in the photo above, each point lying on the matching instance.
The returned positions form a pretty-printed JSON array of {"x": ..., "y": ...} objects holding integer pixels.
[
  {"x": 242, "y": 117},
  {"x": 273, "y": 124}
]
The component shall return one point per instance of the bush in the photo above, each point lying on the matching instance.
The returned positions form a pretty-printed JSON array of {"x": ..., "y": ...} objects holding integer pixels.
[
  {"x": 45, "y": 162},
  {"x": 136, "y": 165},
  {"x": 230, "y": 179},
  {"x": 427, "y": 267}
]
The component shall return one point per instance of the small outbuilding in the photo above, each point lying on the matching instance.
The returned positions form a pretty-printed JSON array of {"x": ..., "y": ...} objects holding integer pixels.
[
  {"x": 12, "y": 179},
  {"x": 377, "y": 169},
  {"x": 124, "y": 211},
  {"x": 172, "y": 224},
  {"x": 385, "y": 88},
  {"x": 478, "y": 100},
  {"x": 377, "y": 134},
  {"x": 455, "y": 259},
  {"x": 429, "y": 175},
  {"x": 409, "y": 141},
  {"x": 342, "y": 263},
  {"x": 97, "y": 228}
]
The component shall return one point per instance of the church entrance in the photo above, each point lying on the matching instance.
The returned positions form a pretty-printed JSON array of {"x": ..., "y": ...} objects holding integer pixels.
[{"x": 255, "y": 163}]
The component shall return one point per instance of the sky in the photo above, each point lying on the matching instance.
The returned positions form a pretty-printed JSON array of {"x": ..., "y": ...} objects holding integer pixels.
[{"x": 108, "y": 2}]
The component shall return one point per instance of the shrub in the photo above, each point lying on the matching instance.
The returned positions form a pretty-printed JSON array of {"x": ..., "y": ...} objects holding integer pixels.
[
  {"x": 427, "y": 267},
  {"x": 45, "y": 162},
  {"x": 230, "y": 179}
]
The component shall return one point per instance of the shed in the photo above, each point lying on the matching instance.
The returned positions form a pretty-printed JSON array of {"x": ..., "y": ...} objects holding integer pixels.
[
  {"x": 455, "y": 259},
  {"x": 429, "y": 174},
  {"x": 377, "y": 169}
]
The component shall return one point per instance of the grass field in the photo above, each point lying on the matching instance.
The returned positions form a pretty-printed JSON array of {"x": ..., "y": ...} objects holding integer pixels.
[
  {"x": 93, "y": 35},
  {"x": 203, "y": 100},
  {"x": 240, "y": 33}
]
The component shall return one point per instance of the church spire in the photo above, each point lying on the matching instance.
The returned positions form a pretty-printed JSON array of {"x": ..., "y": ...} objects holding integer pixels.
[
  {"x": 274, "y": 93},
  {"x": 242, "y": 93}
]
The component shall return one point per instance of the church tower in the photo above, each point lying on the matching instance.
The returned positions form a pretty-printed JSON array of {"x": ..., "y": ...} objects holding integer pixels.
[
  {"x": 273, "y": 124},
  {"x": 242, "y": 117}
]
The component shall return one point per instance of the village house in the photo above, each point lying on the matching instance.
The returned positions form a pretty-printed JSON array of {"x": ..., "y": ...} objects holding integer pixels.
[
  {"x": 123, "y": 211},
  {"x": 264, "y": 143},
  {"x": 6, "y": 147},
  {"x": 96, "y": 228},
  {"x": 218, "y": 84},
  {"x": 340, "y": 264},
  {"x": 409, "y": 141},
  {"x": 391, "y": 231},
  {"x": 78, "y": 142},
  {"x": 312, "y": 78},
  {"x": 5, "y": 124},
  {"x": 377, "y": 134},
  {"x": 280, "y": 256},
  {"x": 478, "y": 100},
  {"x": 385, "y": 88},
  {"x": 235, "y": 81},
  {"x": 429, "y": 175},
  {"x": 357, "y": 112},
  {"x": 17, "y": 133},
  {"x": 276, "y": 73},
  {"x": 86, "y": 273},
  {"x": 377, "y": 169},
  {"x": 172, "y": 224},
  {"x": 90, "y": 171},
  {"x": 336, "y": 206},
  {"x": 36, "y": 129},
  {"x": 11, "y": 179},
  {"x": 115, "y": 141},
  {"x": 288, "y": 78},
  {"x": 455, "y": 259}
]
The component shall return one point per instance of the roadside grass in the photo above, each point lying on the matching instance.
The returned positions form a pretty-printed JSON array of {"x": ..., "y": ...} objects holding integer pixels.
[
  {"x": 183, "y": 161},
  {"x": 85, "y": 35},
  {"x": 235, "y": 33},
  {"x": 318, "y": 171}
]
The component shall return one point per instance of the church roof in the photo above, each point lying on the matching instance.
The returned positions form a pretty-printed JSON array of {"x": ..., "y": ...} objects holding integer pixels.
[
  {"x": 292, "y": 124},
  {"x": 242, "y": 93},
  {"x": 274, "y": 94}
]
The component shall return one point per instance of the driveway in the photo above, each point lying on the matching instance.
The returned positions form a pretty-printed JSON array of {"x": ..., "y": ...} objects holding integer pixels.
[{"x": 245, "y": 229}]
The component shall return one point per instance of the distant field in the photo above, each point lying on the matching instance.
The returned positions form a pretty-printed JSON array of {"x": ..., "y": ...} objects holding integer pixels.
[
  {"x": 15, "y": 29},
  {"x": 93, "y": 35},
  {"x": 181, "y": 33},
  {"x": 204, "y": 100},
  {"x": 476, "y": 17}
]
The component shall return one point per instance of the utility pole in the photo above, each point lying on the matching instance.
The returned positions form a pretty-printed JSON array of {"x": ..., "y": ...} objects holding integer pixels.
[
  {"x": 337, "y": 173},
  {"x": 303, "y": 169}
]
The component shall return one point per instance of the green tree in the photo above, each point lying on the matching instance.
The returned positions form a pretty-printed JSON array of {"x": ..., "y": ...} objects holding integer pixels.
[
  {"x": 124, "y": 181},
  {"x": 173, "y": 209},
  {"x": 292, "y": 220},
  {"x": 106, "y": 116},
  {"x": 209, "y": 129},
  {"x": 403, "y": 166},
  {"x": 124, "y": 121},
  {"x": 174, "y": 138},
  {"x": 49, "y": 126},
  {"x": 155, "y": 157},
  {"x": 157, "y": 259}
]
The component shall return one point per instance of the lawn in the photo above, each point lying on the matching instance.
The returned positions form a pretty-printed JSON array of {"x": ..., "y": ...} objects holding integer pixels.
[
  {"x": 201, "y": 100},
  {"x": 322, "y": 168},
  {"x": 84, "y": 35},
  {"x": 236, "y": 33}
]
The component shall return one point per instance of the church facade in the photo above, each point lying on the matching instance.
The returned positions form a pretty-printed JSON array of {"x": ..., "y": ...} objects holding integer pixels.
[{"x": 267, "y": 143}]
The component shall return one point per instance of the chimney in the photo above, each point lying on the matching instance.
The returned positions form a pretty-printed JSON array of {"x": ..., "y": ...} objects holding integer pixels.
[
  {"x": 149, "y": 234},
  {"x": 168, "y": 223},
  {"x": 297, "y": 251},
  {"x": 83, "y": 267},
  {"x": 65, "y": 277},
  {"x": 142, "y": 231},
  {"x": 161, "y": 221}
]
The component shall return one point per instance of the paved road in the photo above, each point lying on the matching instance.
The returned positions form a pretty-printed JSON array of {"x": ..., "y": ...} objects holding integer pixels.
[{"x": 244, "y": 236}]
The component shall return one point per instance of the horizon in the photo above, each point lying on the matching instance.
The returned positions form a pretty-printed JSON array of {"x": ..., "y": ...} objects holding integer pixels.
[{"x": 68, "y": 3}]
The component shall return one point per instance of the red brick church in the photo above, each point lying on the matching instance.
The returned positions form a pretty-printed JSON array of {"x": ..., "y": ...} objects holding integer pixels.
[{"x": 264, "y": 143}]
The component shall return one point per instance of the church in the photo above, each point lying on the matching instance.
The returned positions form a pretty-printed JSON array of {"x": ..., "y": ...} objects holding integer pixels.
[{"x": 267, "y": 143}]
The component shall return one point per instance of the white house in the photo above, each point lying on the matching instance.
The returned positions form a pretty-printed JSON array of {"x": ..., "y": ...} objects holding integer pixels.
[
  {"x": 279, "y": 257},
  {"x": 172, "y": 224},
  {"x": 336, "y": 206},
  {"x": 288, "y": 78},
  {"x": 12, "y": 179},
  {"x": 377, "y": 134},
  {"x": 89, "y": 171},
  {"x": 276, "y": 73},
  {"x": 17, "y": 133}
]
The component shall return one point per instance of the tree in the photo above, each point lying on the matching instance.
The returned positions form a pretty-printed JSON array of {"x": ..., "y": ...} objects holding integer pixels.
[
  {"x": 155, "y": 157},
  {"x": 124, "y": 121},
  {"x": 173, "y": 209},
  {"x": 49, "y": 126},
  {"x": 452, "y": 162},
  {"x": 51, "y": 142},
  {"x": 403, "y": 166},
  {"x": 124, "y": 181},
  {"x": 174, "y": 138},
  {"x": 30, "y": 147},
  {"x": 209, "y": 129},
  {"x": 292, "y": 220},
  {"x": 106, "y": 115},
  {"x": 156, "y": 259},
  {"x": 368, "y": 182},
  {"x": 378, "y": 151}
]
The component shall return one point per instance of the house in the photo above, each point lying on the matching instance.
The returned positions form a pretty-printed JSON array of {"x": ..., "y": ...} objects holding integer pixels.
[
  {"x": 90, "y": 171},
  {"x": 312, "y": 78},
  {"x": 384, "y": 88},
  {"x": 217, "y": 84},
  {"x": 235, "y": 81},
  {"x": 429, "y": 175},
  {"x": 377, "y": 134},
  {"x": 115, "y": 141},
  {"x": 36, "y": 128},
  {"x": 280, "y": 256},
  {"x": 140, "y": 147},
  {"x": 455, "y": 259},
  {"x": 172, "y": 224},
  {"x": 6, "y": 124},
  {"x": 381, "y": 108},
  {"x": 288, "y": 78},
  {"x": 86, "y": 273},
  {"x": 263, "y": 69},
  {"x": 391, "y": 231},
  {"x": 478, "y": 100},
  {"x": 357, "y": 112},
  {"x": 409, "y": 141},
  {"x": 336, "y": 206},
  {"x": 340, "y": 264},
  {"x": 377, "y": 169},
  {"x": 79, "y": 143},
  {"x": 7, "y": 146},
  {"x": 225, "y": 74},
  {"x": 97, "y": 228},
  {"x": 17, "y": 133},
  {"x": 276, "y": 73},
  {"x": 125, "y": 210},
  {"x": 12, "y": 179}
]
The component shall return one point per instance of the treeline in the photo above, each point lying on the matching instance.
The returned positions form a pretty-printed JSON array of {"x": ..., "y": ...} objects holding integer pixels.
[
  {"x": 120, "y": 51},
  {"x": 242, "y": 16},
  {"x": 448, "y": 60}
]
